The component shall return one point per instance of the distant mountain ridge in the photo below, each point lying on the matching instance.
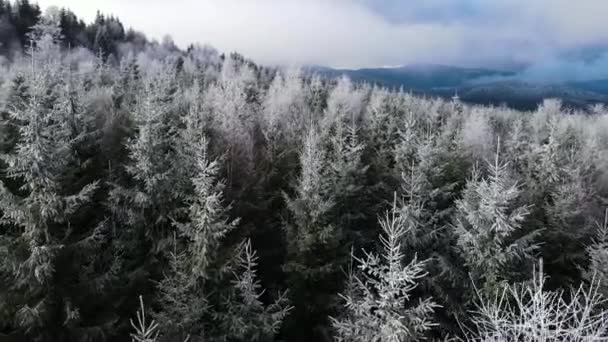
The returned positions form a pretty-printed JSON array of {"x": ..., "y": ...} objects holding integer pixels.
[{"x": 476, "y": 85}]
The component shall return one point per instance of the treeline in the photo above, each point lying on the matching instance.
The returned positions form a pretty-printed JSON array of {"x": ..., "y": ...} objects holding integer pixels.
[
  {"x": 105, "y": 35},
  {"x": 245, "y": 203}
]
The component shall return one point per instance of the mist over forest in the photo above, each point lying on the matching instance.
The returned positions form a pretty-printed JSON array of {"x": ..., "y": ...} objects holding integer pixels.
[{"x": 155, "y": 193}]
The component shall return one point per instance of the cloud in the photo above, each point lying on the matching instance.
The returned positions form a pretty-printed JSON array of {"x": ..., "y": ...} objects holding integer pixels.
[{"x": 364, "y": 33}]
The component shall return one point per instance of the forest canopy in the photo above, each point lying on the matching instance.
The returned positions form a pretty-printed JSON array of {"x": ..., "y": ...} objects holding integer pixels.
[{"x": 149, "y": 193}]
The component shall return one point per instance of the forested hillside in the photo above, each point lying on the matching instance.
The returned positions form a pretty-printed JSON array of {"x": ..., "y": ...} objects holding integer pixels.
[{"x": 154, "y": 194}]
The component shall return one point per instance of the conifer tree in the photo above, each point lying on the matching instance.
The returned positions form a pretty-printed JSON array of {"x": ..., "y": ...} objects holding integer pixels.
[
  {"x": 144, "y": 205},
  {"x": 39, "y": 201},
  {"x": 347, "y": 170},
  {"x": 191, "y": 293},
  {"x": 193, "y": 262},
  {"x": 379, "y": 131},
  {"x": 314, "y": 244},
  {"x": 243, "y": 315},
  {"x": 228, "y": 103},
  {"x": 530, "y": 312},
  {"x": 380, "y": 306},
  {"x": 598, "y": 258},
  {"x": 283, "y": 111},
  {"x": 489, "y": 226},
  {"x": 347, "y": 174},
  {"x": 16, "y": 99},
  {"x": 428, "y": 194}
]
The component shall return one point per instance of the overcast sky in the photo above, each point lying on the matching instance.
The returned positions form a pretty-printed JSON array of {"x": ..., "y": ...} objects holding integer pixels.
[{"x": 370, "y": 33}]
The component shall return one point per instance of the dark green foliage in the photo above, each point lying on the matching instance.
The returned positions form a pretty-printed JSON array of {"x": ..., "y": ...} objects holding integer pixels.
[{"x": 139, "y": 169}]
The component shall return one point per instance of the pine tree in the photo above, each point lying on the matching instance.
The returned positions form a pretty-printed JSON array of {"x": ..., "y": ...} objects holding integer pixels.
[
  {"x": 283, "y": 115},
  {"x": 598, "y": 258},
  {"x": 347, "y": 174},
  {"x": 16, "y": 99},
  {"x": 380, "y": 133},
  {"x": 380, "y": 307},
  {"x": 243, "y": 315},
  {"x": 347, "y": 170},
  {"x": 144, "y": 331},
  {"x": 476, "y": 135},
  {"x": 144, "y": 202},
  {"x": 344, "y": 104},
  {"x": 489, "y": 226},
  {"x": 314, "y": 244},
  {"x": 208, "y": 216},
  {"x": 428, "y": 193},
  {"x": 380, "y": 129},
  {"x": 571, "y": 204},
  {"x": 228, "y": 103},
  {"x": 191, "y": 293},
  {"x": 529, "y": 312},
  {"x": 183, "y": 290},
  {"x": 40, "y": 200}
]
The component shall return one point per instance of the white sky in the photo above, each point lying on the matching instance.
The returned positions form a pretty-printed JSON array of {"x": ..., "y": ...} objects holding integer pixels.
[{"x": 359, "y": 33}]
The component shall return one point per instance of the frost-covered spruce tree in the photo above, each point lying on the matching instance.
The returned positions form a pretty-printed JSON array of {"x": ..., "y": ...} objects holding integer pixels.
[
  {"x": 427, "y": 193},
  {"x": 284, "y": 117},
  {"x": 208, "y": 216},
  {"x": 15, "y": 100},
  {"x": 193, "y": 262},
  {"x": 344, "y": 104},
  {"x": 39, "y": 200},
  {"x": 347, "y": 173},
  {"x": 228, "y": 103},
  {"x": 529, "y": 312},
  {"x": 150, "y": 199},
  {"x": 380, "y": 131},
  {"x": 517, "y": 147},
  {"x": 347, "y": 170},
  {"x": 598, "y": 258},
  {"x": 243, "y": 316},
  {"x": 192, "y": 295},
  {"x": 380, "y": 306},
  {"x": 476, "y": 135},
  {"x": 144, "y": 330},
  {"x": 283, "y": 120},
  {"x": 571, "y": 205},
  {"x": 546, "y": 156},
  {"x": 488, "y": 224},
  {"x": 316, "y": 97},
  {"x": 425, "y": 170},
  {"x": 127, "y": 86},
  {"x": 283, "y": 112},
  {"x": 314, "y": 245}
]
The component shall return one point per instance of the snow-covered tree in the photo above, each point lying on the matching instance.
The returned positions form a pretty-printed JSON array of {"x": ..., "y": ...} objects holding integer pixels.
[
  {"x": 380, "y": 132},
  {"x": 191, "y": 292},
  {"x": 488, "y": 224},
  {"x": 228, "y": 102},
  {"x": 314, "y": 242},
  {"x": 40, "y": 196},
  {"x": 145, "y": 331},
  {"x": 428, "y": 192},
  {"x": 347, "y": 174},
  {"x": 208, "y": 216},
  {"x": 243, "y": 315},
  {"x": 598, "y": 258},
  {"x": 193, "y": 260},
  {"x": 380, "y": 306},
  {"x": 283, "y": 112},
  {"x": 344, "y": 104},
  {"x": 476, "y": 135},
  {"x": 144, "y": 201},
  {"x": 529, "y": 312}
]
